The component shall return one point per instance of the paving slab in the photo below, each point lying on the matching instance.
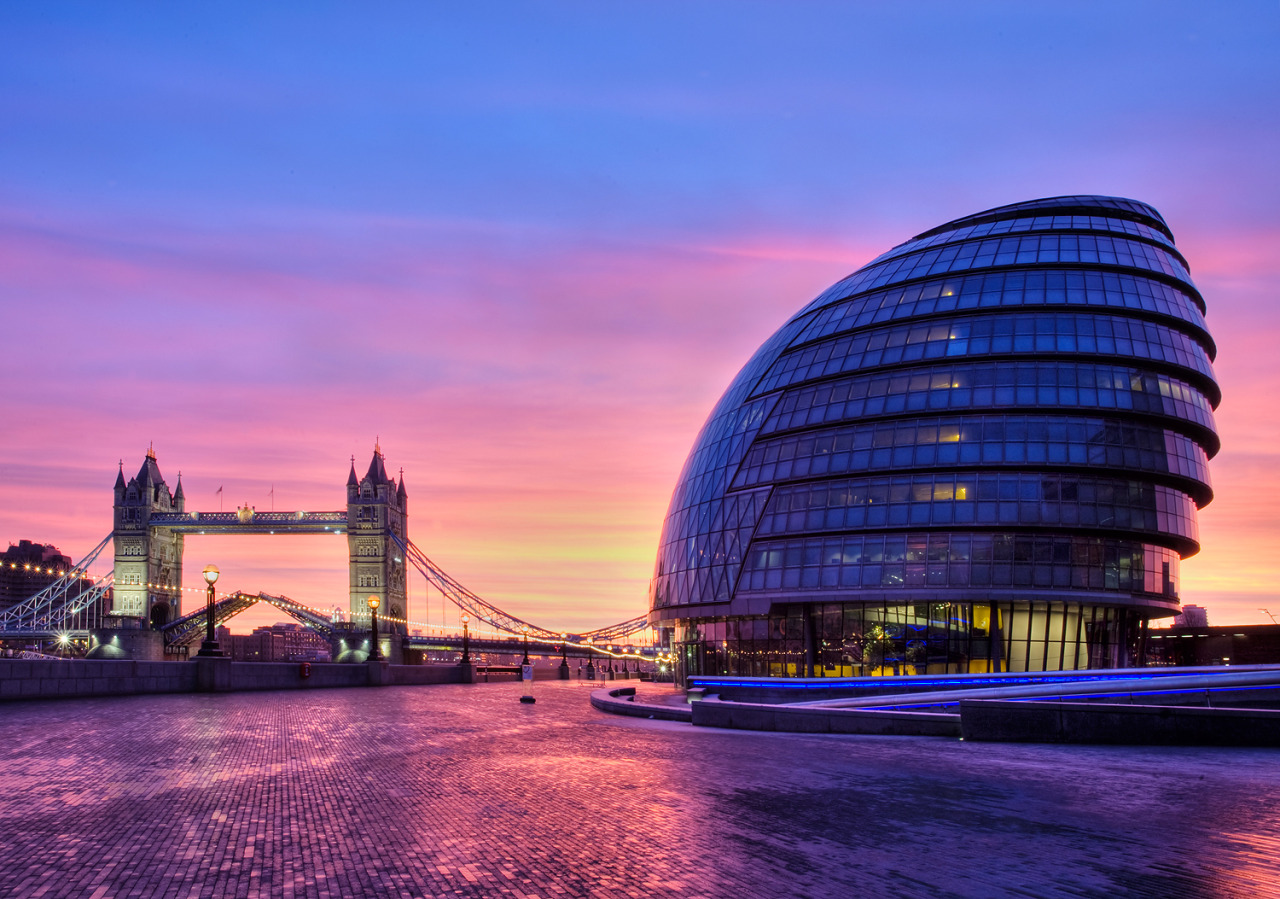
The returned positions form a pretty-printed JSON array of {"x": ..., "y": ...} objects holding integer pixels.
[{"x": 456, "y": 790}]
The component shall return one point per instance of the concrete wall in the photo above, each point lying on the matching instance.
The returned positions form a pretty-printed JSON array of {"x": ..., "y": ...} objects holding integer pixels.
[
  {"x": 1256, "y": 686},
  {"x": 426, "y": 674},
  {"x": 40, "y": 679},
  {"x": 508, "y": 673},
  {"x": 798, "y": 719},
  {"x": 288, "y": 676},
  {"x": 777, "y": 691},
  {"x": 621, "y": 701},
  {"x": 1088, "y": 722}
]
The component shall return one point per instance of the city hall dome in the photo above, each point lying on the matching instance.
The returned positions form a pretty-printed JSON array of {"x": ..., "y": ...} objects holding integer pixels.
[{"x": 983, "y": 451}]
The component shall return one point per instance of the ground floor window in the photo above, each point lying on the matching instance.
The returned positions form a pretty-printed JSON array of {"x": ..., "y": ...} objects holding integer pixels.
[{"x": 861, "y": 640}]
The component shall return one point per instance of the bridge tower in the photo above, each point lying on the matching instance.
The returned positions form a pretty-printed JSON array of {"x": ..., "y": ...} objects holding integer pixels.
[
  {"x": 377, "y": 509},
  {"x": 146, "y": 555}
]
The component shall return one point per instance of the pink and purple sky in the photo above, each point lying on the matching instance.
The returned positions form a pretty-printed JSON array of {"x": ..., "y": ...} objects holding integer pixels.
[{"x": 527, "y": 245}]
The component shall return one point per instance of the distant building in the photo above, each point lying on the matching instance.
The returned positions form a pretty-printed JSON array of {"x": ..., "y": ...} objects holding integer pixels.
[
  {"x": 1201, "y": 645},
  {"x": 26, "y": 568},
  {"x": 1192, "y": 616},
  {"x": 277, "y": 643}
]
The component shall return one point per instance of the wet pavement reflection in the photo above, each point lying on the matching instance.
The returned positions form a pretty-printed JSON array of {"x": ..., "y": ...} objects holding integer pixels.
[{"x": 463, "y": 791}]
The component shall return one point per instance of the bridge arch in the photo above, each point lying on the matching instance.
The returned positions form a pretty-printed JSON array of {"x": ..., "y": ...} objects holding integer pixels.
[{"x": 159, "y": 615}]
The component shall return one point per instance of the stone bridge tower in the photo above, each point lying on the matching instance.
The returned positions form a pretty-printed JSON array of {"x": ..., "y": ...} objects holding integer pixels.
[
  {"x": 148, "y": 560},
  {"x": 377, "y": 509}
]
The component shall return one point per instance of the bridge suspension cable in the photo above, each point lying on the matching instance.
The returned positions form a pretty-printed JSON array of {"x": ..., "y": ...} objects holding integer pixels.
[
  {"x": 487, "y": 612},
  {"x": 615, "y": 633}
]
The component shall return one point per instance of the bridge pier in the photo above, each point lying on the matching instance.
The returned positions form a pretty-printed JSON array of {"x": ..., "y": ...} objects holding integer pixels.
[
  {"x": 351, "y": 644},
  {"x": 135, "y": 643}
]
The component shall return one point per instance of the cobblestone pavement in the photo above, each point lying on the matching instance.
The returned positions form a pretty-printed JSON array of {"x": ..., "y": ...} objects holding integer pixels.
[{"x": 461, "y": 791}]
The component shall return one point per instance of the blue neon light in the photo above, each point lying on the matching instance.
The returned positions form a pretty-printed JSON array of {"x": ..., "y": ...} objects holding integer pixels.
[
  {"x": 906, "y": 706},
  {"x": 917, "y": 681}
]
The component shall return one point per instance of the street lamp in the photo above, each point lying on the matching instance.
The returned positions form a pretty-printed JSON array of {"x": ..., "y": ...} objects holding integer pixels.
[
  {"x": 526, "y": 670},
  {"x": 210, "y": 645},
  {"x": 466, "y": 640},
  {"x": 564, "y": 656},
  {"x": 375, "y": 652}
]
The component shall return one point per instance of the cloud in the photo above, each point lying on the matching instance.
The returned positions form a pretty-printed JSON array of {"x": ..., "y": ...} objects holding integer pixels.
[
  {"x": 540, "y": 389},
  {"x": 529, "y": 254}
]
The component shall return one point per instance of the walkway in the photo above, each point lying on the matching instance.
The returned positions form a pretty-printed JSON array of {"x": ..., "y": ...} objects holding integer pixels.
[{"x": 461, "y": 791}]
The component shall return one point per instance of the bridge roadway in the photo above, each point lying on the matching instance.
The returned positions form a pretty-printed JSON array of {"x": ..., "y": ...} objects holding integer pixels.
[
  {"x": 461, "y": 791},
  {"x": 256, "y": 523},
  {"x": 514, "y": 646}
]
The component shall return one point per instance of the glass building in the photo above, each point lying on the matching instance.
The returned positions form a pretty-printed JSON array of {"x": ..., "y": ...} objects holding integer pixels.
[{"x": 982, "y": 452}]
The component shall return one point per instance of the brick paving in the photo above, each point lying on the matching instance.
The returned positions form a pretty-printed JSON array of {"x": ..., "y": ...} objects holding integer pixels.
[{"x": 451, "y": 791}]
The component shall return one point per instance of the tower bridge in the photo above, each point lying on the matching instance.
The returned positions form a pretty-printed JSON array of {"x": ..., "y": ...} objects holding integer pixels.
[
  {"x": 143, "y": 593},
  {"x": 150, "y": 524}
]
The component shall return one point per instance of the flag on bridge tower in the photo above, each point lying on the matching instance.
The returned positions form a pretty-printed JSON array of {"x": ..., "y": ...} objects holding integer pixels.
[
  {"x": 219, "y": 499},
  {"x": 272, "y": 494}
]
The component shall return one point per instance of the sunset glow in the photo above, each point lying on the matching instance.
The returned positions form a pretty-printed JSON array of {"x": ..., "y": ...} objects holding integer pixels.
[{"x": 527, "y": 256}]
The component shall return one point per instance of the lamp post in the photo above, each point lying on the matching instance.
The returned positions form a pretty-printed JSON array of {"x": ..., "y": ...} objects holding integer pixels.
[
  {"x": 564, "y": 657},
  {"x": 466, "y": 640},
  {"x": 210, "y": 645},
  {"x": 526, "y": 670},
  {"x": 375, "y": 651}
]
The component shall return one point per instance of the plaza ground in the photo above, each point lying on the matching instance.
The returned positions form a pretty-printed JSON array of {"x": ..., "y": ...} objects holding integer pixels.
[{"x": 463, "y": 791}]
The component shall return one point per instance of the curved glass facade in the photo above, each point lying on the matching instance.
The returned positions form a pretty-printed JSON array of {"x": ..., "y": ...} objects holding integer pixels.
[{"x": 983, "y": 451}]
